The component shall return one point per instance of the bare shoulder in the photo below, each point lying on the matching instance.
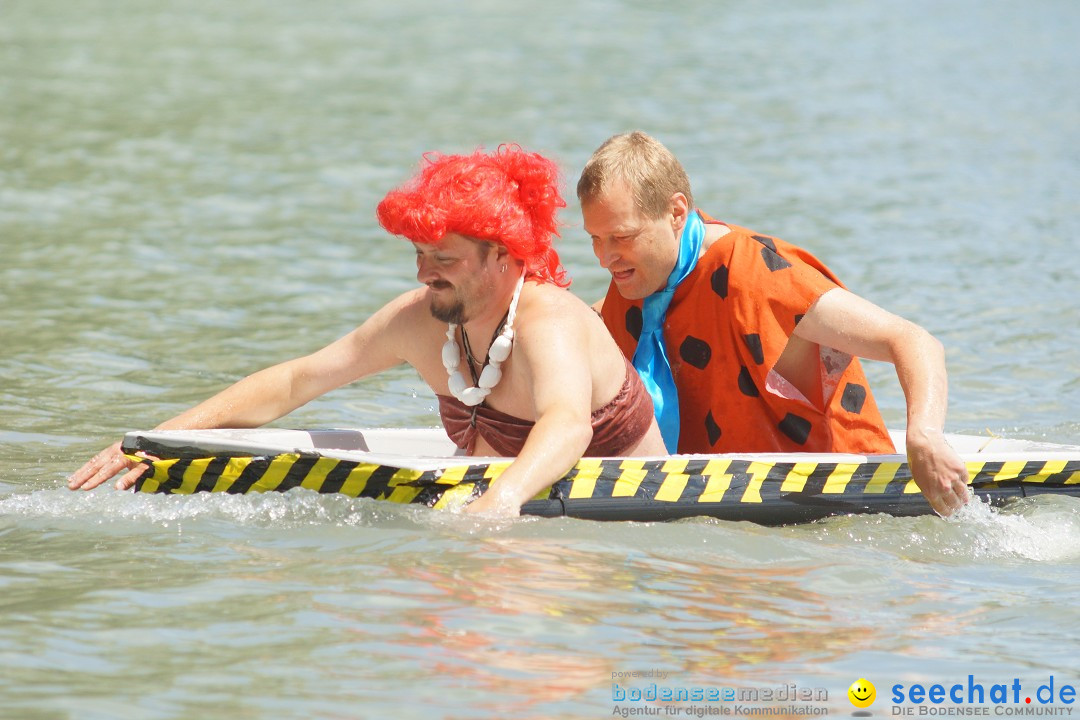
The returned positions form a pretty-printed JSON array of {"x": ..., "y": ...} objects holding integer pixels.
[
  {"x": 399, "y": 323},
  {"x": 566, "y": 342},
  {"x": 405, "y": 310},
  {"x": 541, "y": 300},
  {"x": 410, "y": 300},
  {"x": 555, "y": 315}
]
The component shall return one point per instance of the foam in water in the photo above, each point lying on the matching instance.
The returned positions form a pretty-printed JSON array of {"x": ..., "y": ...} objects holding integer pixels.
[
  {"x": 1044, "y": 530},
  {"x": 292, "y": 509}
]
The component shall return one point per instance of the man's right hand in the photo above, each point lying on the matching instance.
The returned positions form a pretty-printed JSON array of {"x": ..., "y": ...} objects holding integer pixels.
[
  {"x": 938, "y": 470},
  {"x": 105, "y": 465}
]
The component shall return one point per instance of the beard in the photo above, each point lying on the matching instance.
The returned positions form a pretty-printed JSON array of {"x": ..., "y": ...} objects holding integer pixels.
[
  {"x": 449, "y": 311},
  {"x": 453, "y": 312}
]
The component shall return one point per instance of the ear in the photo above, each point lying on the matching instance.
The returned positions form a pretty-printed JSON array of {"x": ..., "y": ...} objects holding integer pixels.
[{"x": 680, "y": 210}]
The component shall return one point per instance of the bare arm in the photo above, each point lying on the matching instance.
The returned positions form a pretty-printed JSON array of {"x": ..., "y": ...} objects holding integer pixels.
[
  {"x": 556, "y": 352},
  {"x": 270, "y": 393},
  {"x": 842, "y": 320}
]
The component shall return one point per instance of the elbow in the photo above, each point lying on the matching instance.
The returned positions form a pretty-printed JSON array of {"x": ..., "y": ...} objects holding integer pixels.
[
  {"x": 577, "y": 433},
  {"x": 919, "y": 357},
  {"x": 933, "y": 347},
  {"x": 915, "y": 339},
  {"x": 562, "y": 434},
  {"x": 585, "y": 437}
]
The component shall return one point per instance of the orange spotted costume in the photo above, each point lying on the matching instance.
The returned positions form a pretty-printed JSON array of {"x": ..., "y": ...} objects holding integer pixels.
[{"x": 725, "y": 328}]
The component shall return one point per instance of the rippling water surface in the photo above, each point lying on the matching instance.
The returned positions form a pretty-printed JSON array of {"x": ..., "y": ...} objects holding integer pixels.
[{"x": 187, "y": 195}]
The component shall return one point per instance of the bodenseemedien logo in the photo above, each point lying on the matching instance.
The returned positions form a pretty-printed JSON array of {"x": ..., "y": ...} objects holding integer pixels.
[{"x": 661, "y": 699}]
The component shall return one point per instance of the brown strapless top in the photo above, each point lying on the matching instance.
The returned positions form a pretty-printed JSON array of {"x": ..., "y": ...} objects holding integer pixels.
[{"x": 617, "y": 426}]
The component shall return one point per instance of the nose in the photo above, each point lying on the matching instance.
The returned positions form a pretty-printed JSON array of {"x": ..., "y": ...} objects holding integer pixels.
[
  {"x": 424, "y": 271},
  {"x": 605, "y": 252}
]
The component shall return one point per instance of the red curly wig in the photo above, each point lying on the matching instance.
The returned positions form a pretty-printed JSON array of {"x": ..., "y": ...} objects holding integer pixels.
[{"x": 510, "y": 197}]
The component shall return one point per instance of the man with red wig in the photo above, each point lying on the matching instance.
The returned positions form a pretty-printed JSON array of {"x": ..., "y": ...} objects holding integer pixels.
[
  {"x": 521, "y": 367},
  {"x": 748, "y": 343}
]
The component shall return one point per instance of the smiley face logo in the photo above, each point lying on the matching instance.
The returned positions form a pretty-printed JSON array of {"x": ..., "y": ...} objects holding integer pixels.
[{"x": 862, "y": 693}]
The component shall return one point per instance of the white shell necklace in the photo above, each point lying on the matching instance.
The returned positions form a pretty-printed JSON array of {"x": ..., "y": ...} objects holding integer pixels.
[{"x": 497, "y": 354}]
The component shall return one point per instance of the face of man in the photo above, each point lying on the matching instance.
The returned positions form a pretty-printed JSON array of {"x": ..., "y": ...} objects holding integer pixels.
[
  {"x": 639, "y": 252},
  {"x": 458, "y": 275}
]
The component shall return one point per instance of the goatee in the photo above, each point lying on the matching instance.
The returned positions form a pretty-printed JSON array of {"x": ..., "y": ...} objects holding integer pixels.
[{"x": 454, "y": 312}]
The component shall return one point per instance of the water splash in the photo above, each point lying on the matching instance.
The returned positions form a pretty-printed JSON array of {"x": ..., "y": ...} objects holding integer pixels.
[
  {"x": 295, "y": 508},
  {"x": 1044, "y": 529},
  {"x": 1040, "y": 529}
]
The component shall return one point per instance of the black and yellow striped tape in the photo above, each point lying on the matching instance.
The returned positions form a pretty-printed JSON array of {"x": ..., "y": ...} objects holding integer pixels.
[{"x": 678, "y": 480}]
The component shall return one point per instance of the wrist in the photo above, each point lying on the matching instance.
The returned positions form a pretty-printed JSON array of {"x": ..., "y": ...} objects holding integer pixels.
[
  {"x": 505, "y": 497},
  {"x": 924, "y": 436}
]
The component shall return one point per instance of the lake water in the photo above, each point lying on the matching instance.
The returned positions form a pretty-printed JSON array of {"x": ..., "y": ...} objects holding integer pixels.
[{"x": 187, "y": 194}]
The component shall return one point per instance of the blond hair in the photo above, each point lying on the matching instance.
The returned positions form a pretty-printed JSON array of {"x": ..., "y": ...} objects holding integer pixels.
[{"x": 652, "y": 173}]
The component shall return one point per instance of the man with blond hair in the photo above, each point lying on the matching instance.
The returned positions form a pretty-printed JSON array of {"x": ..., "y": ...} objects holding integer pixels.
[{"x": 745, "y": 342}]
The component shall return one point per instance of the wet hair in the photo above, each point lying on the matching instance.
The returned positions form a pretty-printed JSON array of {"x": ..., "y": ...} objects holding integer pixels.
[
  {"x": 510, "y": 197},
  {"x": 651, "y": 172}
]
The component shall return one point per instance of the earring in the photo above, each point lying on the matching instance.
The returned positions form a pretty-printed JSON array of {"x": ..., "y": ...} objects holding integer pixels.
[{"x": 503, "y": 268}]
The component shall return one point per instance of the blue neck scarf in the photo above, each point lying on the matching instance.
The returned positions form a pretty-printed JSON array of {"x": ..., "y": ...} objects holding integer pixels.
[{"x": 650, "y": 358}]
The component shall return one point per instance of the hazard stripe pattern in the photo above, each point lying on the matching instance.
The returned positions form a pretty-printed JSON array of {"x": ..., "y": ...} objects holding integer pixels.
[{"x": 679, "y": 480}]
